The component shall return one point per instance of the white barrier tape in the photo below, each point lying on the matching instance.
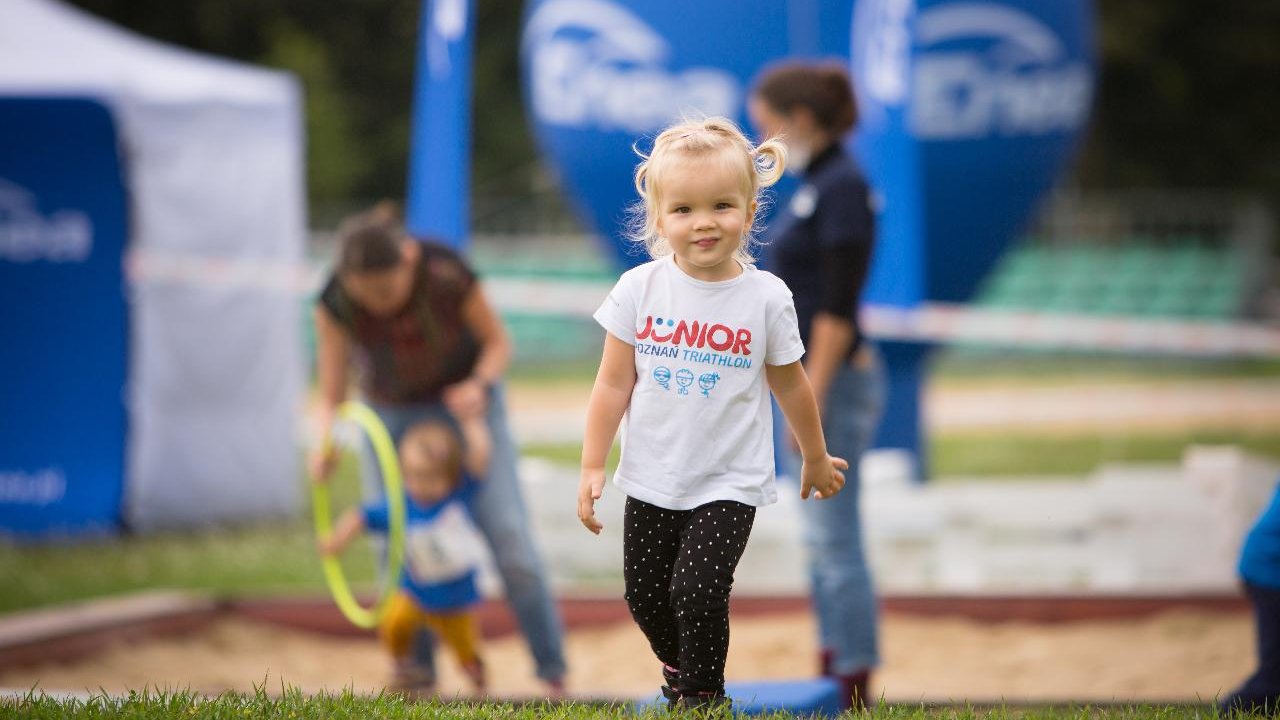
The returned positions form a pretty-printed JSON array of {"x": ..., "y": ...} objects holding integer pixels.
[
  {"x": 938, "y": 322},
  {"x": 952, "y": 323},
  {"x": 934, "y": 322},
  {"x": 210, "y": 272},
  {"x": 547, "y": 296}
]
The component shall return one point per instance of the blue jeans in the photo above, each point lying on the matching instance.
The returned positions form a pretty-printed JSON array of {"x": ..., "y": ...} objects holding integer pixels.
[
  {"x": 499, "y": 512},
  {"x": 843, "y": 594}
]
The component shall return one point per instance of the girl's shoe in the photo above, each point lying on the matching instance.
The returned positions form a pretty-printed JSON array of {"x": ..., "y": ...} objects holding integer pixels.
[
  {"x": 669, "y": 691},
  {"x": 672, "y": 696},
  {"x": 706, "y": 704}
]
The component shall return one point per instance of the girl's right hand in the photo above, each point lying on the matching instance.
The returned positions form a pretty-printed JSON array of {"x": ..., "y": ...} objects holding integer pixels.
[{"x": 590, "y": 486}]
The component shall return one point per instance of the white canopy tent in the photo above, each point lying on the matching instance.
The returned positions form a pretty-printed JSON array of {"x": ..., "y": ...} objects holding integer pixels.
[{"x": 213, "y": 157}]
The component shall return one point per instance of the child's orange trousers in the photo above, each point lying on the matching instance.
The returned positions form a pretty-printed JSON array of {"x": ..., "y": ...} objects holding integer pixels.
[{"x": 457, "y": 630}]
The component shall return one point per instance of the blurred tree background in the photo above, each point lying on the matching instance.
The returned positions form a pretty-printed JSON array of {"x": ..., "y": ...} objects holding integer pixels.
[
  {"x": 355, "y": 59},
  {"x": 1185, "y": 96}
]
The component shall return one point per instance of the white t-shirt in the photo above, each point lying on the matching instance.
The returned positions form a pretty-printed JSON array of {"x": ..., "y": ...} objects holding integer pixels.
[{"x": 700, "y": 426}]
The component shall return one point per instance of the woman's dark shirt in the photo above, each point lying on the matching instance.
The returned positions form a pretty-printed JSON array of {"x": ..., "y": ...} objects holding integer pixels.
[
  {"x": 820, "y": 243},
  {"x": 413, "y": 355}
]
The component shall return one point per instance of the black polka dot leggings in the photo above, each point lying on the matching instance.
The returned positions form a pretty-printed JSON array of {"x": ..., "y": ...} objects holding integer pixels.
[{"x": 678, "y": 566}]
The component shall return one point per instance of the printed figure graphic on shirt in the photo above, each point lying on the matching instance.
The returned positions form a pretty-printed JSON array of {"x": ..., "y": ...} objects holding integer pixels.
[
  {"x": 684, "y": 379},
  {"x": 662, "y": 374},
  {"x": 707, "y": 381}
]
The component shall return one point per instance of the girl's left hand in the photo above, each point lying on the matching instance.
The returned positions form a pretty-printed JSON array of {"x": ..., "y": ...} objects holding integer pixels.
[
  {"x": 467, "y": 399},
  {"x": 823, "y": 476}
]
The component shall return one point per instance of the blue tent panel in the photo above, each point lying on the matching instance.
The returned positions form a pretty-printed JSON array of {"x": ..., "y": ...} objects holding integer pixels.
[{"x": 63, "y": 328}]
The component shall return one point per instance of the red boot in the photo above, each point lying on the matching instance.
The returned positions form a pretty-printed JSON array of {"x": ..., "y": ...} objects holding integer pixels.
[{"x": 853, "y": 690}]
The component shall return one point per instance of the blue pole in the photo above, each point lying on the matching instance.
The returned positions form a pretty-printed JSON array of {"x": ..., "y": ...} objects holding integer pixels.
[{"x": 439, "y": 203}]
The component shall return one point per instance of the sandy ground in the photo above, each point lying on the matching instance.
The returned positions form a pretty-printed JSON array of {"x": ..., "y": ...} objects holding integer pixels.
[{"x": 1177, "y": 656}]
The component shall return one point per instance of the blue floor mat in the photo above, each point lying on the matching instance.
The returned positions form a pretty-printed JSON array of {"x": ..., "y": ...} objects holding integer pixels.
[{"x": 819, "y": 696}]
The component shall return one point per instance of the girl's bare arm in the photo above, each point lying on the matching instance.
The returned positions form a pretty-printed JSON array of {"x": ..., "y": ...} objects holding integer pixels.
[
  {"x": 610, "y": 397},
  {"x": 820, "y": 471}
]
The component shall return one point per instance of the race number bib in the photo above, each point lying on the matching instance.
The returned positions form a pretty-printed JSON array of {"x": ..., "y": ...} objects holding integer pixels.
[{"x": 444, "y": 549}]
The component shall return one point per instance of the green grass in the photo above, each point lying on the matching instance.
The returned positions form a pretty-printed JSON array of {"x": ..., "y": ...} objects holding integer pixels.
[
  {"x": 580, "y": 369},
  {"x": 993, "y": 372},
  {"x": 259, "y": 559},
  {"x": 569, "y": 454},
  {"x": 293, "y": 703},
  {"x": 280, "y": 558},
  {"x": 1012, "y": 369},
  {"x": 1001, "y": 369},
  {"x": 1005, "y": 454}
]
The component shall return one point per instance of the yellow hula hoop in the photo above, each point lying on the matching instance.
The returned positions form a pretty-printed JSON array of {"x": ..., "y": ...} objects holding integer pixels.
[{"x": 389, "y": 463}]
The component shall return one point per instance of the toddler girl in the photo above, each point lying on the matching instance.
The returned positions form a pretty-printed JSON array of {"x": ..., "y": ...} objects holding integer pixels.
[{"x": 692, "y": 339}]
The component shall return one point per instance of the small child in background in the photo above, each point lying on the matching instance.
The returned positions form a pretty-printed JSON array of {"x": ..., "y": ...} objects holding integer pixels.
[
  {"x": 442, "y": 548},
  {"x": 1260, "y": 571},
  {"x": 697, "y": 460}
]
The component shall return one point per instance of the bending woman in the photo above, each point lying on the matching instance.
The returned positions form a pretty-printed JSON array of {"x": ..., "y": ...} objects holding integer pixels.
[{"x": 413, "y": 317}]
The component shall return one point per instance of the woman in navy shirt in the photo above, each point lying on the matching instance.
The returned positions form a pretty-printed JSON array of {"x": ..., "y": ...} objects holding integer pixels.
[{"x": 820, "y": 244}]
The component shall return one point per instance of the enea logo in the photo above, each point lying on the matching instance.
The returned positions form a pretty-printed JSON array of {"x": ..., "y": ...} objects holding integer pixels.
[
  {"x": 594, "y": 64},
  {"x": 40, "y": 488},
  {"x": 980, "y": 70},
  {"x": 27, "y": 236}
]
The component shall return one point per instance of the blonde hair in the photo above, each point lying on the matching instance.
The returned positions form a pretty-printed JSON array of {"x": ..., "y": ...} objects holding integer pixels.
[
  {"x": 437, "y": 441},
  {"x": 761, "y": 166}
]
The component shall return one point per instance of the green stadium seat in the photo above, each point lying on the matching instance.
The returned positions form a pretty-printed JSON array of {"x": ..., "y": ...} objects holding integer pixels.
[{"x": 1178, "y": 276}]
